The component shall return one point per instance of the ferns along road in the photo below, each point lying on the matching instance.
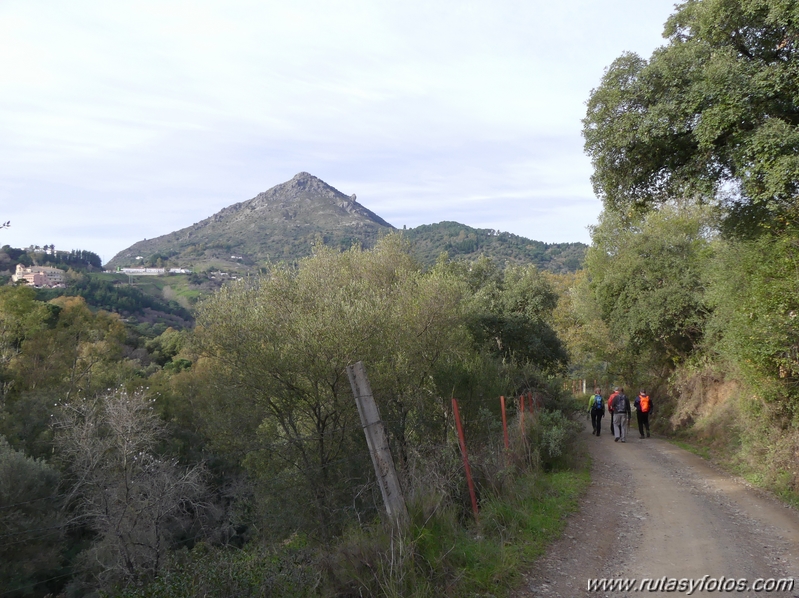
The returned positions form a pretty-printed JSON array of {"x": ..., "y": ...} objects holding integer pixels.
[{"x": 656, "y": 510}]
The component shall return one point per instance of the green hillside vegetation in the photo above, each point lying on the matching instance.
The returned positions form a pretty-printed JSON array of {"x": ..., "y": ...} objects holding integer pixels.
[
  {"x": 285, "y": 223},
  {"x": 229, "y": 458},
  {"x": 691, "y": 288},
  {"x": 113, "y": 293},
  {"x": 464, "y": 242},
  {"x": 183, "y": 289}
]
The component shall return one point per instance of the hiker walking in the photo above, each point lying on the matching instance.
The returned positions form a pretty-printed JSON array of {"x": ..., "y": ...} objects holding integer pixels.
[
  {"x": 643, "y": 407},
  {"x": 611, "y": 398},
  {"x": 621, "y": 415},
  {"x": 596, "y": 406}
]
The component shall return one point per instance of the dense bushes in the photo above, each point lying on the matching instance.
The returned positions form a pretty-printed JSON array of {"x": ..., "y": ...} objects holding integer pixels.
[
  {"x": 252, "y": 572},
  {"x": 279, "y": 347},
  {"x": 30, "y": 522},
  {"x": 230, "y": 459}
]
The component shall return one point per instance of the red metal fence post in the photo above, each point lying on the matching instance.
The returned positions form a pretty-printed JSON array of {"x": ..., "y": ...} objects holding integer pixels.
[
  {"x": 504, "y": 423},
  {"x": 462, "y": 441}
]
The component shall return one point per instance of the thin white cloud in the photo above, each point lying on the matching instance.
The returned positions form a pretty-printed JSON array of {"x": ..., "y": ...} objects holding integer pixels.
[{"x": 124, "y": 120}]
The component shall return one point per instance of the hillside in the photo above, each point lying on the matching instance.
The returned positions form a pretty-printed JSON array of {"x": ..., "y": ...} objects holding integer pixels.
[
  {"x": 464, "y": 242},
  {"x": 279, "y": 224},
  {"x": 283, "y": 223}
]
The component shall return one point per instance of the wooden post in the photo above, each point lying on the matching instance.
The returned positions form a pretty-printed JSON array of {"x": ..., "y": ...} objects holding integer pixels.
[
  {"x": 504, "y": 423},
  {"x": 377, "y": 441},
  {"x": 462, "y": 441}
]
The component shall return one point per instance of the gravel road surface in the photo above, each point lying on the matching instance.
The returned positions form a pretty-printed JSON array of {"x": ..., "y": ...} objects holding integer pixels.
[{"x": 655, "y": 510}]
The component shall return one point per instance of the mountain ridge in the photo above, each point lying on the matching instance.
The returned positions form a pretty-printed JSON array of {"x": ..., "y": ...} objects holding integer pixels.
[{"x": 284, "y": 222}]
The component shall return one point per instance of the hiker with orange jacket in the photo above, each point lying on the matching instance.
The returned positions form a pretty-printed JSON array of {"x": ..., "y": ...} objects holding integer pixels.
[
  {"x": 610, "y": 408},
  {"x": 643, "y": 407}
]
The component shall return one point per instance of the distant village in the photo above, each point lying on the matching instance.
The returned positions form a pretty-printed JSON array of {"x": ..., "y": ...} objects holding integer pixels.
[
  {"x": 50, "y": 277},
  {"x": 39, "y": 276}
]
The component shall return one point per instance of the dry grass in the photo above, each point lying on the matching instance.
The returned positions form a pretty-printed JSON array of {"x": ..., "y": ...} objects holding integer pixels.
[{"x": 733, "y": 425}]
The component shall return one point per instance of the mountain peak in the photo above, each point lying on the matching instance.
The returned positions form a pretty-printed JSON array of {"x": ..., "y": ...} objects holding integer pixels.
[
  {"x": 302, "y": 185},
  {"x": 282, "y": 222},
  {"x": 304, "y": 189},
  {"x": 306, "y": 179}
]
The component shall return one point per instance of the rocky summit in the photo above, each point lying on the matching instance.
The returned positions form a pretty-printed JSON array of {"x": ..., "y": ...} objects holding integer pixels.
[{"x": 282, "y": 223}]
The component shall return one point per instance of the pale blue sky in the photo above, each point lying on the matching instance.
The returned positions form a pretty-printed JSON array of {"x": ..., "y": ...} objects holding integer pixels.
[{"x": 128, "y": 120}]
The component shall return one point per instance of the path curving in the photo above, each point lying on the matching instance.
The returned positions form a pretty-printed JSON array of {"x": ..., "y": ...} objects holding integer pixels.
[{"x": 655, "y": 510}]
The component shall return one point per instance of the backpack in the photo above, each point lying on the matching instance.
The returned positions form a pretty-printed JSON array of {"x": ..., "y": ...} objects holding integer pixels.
[
  {"x": 644, "y": 403},
  {"x": 621, "y": 403},
  {"x": 598, "y": 405}
]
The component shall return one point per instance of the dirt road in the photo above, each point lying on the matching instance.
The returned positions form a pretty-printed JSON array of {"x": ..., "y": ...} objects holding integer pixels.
[{"x": 655, "y": 510}]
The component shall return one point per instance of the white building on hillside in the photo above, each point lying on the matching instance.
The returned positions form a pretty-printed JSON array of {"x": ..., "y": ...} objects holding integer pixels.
[
  {"x": 39, "y": 276},
  {"x": 152, "y": 271}
]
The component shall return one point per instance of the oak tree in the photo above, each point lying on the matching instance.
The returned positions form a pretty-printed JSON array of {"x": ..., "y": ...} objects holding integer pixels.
[{"x": 712, "y": 115}]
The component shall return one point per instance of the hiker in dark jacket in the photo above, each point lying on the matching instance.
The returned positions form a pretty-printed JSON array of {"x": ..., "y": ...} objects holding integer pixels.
[
  {"x": 596, "y": 406},
  {"x": 621, "y": 415},
  {"x": 643, "y": 407}
]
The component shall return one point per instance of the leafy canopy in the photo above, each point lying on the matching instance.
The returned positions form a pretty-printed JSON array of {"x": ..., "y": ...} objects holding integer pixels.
[
  {"x": 647, "y": 281},
  {"x": 713, "y": 114}
]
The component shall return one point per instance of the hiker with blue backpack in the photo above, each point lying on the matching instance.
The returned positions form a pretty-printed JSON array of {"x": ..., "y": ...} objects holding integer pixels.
[{"x": 596, "y": 406}]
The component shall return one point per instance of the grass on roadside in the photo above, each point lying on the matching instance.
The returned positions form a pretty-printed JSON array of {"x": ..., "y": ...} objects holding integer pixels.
[
  {"x": 440, "y": 556},
  {"x": 516, "y": 531},
  {"x": 696, "y": 449}
]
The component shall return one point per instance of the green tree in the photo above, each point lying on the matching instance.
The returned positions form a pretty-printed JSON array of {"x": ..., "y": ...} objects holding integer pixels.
[
  {"x": 755, "y": 322},
  {"x": 712, "y": 118},
  {"x": 578, "y": 323},
  {"x": 73, "y": 353},
  {"x": 282, "y": 344},
  {"x": 30, "y": 525},
  {"x": 509, "y": 313},
  {"x": 20, "y": 316},
  {"x": 713, "y": 114},
  {"x": 648, "y": 281}
]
